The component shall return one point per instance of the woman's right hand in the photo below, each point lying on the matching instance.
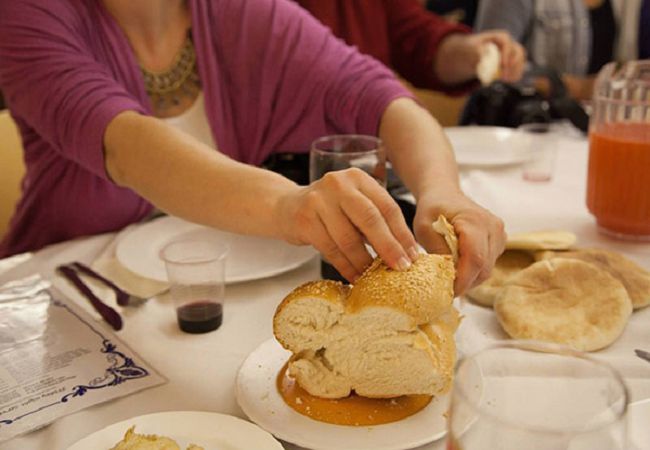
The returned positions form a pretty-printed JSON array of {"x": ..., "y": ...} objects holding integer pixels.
[{"x": 339, "y": 213}]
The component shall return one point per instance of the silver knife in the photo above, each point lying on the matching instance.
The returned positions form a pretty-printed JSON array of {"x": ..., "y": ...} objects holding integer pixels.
[{"x": 642, "y": 354}]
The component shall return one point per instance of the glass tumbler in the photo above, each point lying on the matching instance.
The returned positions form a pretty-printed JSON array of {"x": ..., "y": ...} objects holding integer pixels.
[
  {"x": 527, "y": 395},
  {"x": 345, "y": 151}
]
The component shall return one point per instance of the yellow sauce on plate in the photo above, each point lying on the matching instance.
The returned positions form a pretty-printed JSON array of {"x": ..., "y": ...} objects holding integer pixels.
[{"x": 352, "y": 410}]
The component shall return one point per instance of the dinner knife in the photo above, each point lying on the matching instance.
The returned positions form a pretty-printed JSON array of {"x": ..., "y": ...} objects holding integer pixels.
[
  {"x": 121, "y": 297},
  {"x": 108, "y": 314},
  {"x": 642, "y": 354}
]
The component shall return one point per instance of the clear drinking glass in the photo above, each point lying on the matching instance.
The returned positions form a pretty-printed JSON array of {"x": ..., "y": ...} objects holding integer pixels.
[
  {"x": 539, "y": 141},
  {"x": 339, "y": 152},
  {"x": 528, "y": 395},
  {"x": 196, "y": 272},
  {"x": 344, "y": 151}
]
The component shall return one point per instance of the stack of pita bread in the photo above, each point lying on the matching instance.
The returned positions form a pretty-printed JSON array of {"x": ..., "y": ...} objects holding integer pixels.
[{"x": 544, "y": 288}]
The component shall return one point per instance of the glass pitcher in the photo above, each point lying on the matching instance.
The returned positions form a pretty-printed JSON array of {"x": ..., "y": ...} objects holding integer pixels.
[{"x": 618, "y": 178}]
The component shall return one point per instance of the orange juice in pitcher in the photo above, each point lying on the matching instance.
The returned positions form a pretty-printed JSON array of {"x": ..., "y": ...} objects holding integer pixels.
[{"x": 618, "y": 180}]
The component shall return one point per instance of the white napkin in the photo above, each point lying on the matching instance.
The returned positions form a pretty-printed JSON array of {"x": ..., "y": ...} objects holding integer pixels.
[{"x": 107, "y": 265}]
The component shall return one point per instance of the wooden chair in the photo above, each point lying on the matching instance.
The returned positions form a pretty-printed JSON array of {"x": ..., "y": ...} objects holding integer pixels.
[{"x": 12, "y": 168}]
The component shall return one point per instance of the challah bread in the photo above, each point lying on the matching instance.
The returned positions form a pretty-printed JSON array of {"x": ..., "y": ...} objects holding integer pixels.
[{"x": 391, "y": 334}]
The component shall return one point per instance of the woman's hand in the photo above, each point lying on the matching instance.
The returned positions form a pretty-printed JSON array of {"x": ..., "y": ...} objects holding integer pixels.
[
  {"x": 342, "y": 211},
  {"x": 481, "y": 235}
]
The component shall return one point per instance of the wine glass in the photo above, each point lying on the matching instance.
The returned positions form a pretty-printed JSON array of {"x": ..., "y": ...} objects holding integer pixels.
[{"x": 529, "y": 395}]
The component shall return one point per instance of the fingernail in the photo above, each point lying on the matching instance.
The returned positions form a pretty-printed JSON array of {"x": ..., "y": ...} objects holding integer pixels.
[
  {"x": 403, "y": 263},
  {"x": 413, "y": 253}
]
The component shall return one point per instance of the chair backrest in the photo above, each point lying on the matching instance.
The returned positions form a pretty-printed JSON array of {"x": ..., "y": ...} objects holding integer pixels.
[{"x": 12, "y": 168}]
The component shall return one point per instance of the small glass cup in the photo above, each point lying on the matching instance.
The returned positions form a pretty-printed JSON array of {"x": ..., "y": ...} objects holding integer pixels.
[
  {"x": 345, "y": 151},
  {"x": 530, "y": 395},
  {"x": 539, "y": 141},
  {"x": 196, "y": 272}
]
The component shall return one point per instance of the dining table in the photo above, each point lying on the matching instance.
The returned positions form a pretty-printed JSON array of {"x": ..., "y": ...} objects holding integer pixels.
[{"x": 201, "y": 369}]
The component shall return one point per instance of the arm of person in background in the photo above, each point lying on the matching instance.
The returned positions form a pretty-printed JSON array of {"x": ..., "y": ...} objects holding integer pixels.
[
  {"x": 516, "y": 20},
  {"x": 433, "y": 53}
]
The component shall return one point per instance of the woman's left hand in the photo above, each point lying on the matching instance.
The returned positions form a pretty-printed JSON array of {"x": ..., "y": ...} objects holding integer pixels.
[{"x": 481, "y": 235}]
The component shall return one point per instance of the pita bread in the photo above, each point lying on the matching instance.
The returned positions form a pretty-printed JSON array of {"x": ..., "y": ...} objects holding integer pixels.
[
  {"x": 509, "y": 263},
  {"x": 541, "y": 240},
  {"x": 487, "y": 69},
  {"x": 566, "y": 301},
  {"x": 635, "y": 278}
]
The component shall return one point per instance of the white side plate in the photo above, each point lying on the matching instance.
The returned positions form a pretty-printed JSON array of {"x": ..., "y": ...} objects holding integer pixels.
[
  {"x": 249, "y": 258},
  {"x": 484, "y": 146},
  {"x": 211, "y": 431}
]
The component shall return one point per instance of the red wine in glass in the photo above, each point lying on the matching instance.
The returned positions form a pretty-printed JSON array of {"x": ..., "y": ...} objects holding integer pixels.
[{"x": 200, "y": 316}]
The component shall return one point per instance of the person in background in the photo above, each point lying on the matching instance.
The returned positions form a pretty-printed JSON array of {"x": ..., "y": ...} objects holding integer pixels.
[
  {"x": 125, "y": 105},
  {"x": 644, "y": 30},
  {"x": 459, "y": 11},
  {"x": 422, "y": 47},
  {"x": 561, "y": 35}
]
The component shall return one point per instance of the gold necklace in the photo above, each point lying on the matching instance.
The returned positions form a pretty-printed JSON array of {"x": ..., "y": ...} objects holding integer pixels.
[{"x": 167, "y": 88}]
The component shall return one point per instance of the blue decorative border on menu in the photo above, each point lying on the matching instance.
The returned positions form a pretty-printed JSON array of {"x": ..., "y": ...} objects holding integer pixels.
[{"x": 122, "y": 368}]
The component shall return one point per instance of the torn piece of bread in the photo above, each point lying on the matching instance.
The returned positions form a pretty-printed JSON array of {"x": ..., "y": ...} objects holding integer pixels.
[
  {"x": 444, "y": 228},
  {"x": 488, "y": 67},
  {"x": 508, "y": 264},
  {"x": 391, "y": 334},
  {"x": 565, "y": 301},
  {"x": 135, "y": 441},
  {"x": 635, "y": 278}
]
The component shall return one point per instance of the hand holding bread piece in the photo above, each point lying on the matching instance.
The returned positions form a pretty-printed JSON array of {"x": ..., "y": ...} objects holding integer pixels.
[
  {"x": 488, "y": 67},
  {"x": 389, "y": 335}
]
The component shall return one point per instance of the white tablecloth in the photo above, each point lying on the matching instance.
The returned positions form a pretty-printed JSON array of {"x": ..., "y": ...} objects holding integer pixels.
[{"x": 201, "y": 368}]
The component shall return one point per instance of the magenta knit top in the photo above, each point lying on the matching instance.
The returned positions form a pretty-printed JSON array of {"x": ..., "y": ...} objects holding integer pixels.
[{"x": 273, "y": 79}]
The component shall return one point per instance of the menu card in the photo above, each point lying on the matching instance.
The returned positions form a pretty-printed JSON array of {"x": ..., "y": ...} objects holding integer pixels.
[{"x": 55, "y": 359}]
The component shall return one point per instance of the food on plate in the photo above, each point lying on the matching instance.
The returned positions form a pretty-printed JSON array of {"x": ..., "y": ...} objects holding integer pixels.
[
  {"x": 566, "y": 301},
  {"x": 389, "y": 335},
  {"x": 135, "y": 441},
  {"x": 541, "y": 240},
  {"x": 487, "y": 69},
  {"x": 635, "y": 278},
  {"x": 509, "y": 263}
]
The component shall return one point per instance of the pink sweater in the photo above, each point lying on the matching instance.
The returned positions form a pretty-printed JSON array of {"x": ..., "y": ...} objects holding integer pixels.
[{"x": 273, "y": 79}]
